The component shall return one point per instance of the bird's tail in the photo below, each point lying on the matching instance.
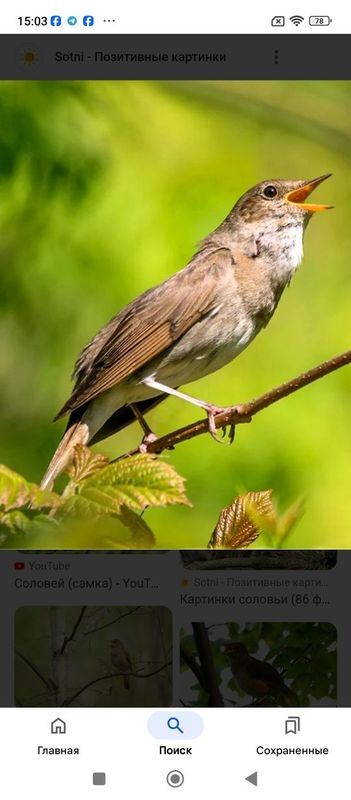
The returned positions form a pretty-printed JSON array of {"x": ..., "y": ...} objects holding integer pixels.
[
  {"x": 78, "y": 433},
  {"x": 126, "y": 683}
]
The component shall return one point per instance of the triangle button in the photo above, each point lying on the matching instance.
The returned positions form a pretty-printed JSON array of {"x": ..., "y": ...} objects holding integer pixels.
[{"x": 252, "y": 779}]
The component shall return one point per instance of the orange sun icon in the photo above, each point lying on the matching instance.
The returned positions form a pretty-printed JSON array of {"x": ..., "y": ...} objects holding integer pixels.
[{"x": 30, "y": 57}]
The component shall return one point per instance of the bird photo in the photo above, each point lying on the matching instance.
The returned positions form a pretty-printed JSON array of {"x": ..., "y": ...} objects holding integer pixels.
[
  {"x": 81, "y": 665},
  {"x": 258, "y": 664},
  {"x": 193, "y": 323},
  {"x": 258, "y": 679},
  {"x": 174, "y": 263}
]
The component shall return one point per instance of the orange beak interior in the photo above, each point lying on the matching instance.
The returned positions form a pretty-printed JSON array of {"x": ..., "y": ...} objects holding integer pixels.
[{"x": 298, "y": 196}]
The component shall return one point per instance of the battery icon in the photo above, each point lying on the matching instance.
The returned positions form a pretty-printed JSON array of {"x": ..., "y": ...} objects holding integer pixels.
[{"x": 324, "y": 20}]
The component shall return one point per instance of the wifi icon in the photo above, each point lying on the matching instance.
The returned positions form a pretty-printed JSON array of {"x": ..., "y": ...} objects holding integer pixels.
[{"x": 296, "y": 19}]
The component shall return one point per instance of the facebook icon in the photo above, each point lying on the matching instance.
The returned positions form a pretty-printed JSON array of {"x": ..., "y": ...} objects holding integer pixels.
[
  {"x": 55, "y": 21},
  {"x": 88, "y": 21}
]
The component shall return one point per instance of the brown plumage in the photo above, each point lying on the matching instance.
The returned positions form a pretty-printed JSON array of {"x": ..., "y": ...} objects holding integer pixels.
[
  {"x": 257, "y": 678},
  {"x": 121, "y": 661},
  {"x": 146, "y": 327},
  {"x": 191, "y": 324}
]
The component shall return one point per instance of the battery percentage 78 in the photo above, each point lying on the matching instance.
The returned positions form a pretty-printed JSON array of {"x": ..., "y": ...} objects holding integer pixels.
[{"x": 324, "y": 20}]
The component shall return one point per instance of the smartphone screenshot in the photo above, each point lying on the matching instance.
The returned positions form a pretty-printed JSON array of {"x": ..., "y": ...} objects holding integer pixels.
[{"x": 175, "y": 524}]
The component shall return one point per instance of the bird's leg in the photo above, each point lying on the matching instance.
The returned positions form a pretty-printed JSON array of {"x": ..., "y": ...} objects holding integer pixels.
[
  {"x": 210, "y": 409},
  {"x": 138, "y": 415},
  {"x": 149, "y": 435}
]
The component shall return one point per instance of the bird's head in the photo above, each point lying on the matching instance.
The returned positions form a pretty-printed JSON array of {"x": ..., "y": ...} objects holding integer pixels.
[
  {"x": 279, "y": 201},
  {"x": 268, "y": 222},
  {"x": 235, "y": 650}
]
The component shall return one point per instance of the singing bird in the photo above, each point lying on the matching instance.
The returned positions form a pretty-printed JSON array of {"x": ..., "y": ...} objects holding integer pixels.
[
  {"x": 259, "y": 679},
  {"x": 193, "y": 323},
  {"x": 120, "y": 659}
]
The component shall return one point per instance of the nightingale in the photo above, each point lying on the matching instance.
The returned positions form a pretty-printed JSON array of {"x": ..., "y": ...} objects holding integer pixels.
[
  {"x": 193, "y": 323},
  {"x": 257, "y": 678},
  {"x": 120, "y": 659}
]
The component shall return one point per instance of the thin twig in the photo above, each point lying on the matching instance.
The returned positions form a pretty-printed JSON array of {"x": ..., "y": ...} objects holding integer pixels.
[
  {"x": 49, "y": 684},
  {"x": 236, "y": 415},
  {"x": 114, "y": 675},
  {"x": 71, "y": 636},
  {"x": 113, "y": 621}
]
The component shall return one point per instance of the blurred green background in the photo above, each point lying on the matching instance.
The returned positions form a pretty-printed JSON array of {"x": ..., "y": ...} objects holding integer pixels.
[{"x": 105, "y": 189}]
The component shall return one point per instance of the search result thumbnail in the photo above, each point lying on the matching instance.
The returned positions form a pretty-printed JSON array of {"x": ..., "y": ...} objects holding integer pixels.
[
  {"x": 258, "y": 664},
  {"x": 93, "y": 656}
]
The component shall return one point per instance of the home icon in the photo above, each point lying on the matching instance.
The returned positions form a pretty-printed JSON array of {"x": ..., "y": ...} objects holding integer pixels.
[{"x": 58, "y": 726}]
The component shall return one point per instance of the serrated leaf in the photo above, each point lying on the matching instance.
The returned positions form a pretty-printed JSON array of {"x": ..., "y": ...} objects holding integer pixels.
[
  {"x": 16, "y": 492},
  {"x": 14, "y": 521},
  {"x": 79, "y": 507},
  {"x": 41, "y": 499},
  {"x": 86, "y": 463},
  {"x": 263, "y": 517},
  {"x": 236, "y": 527},
  {"x": 277, "y": 527},
  {"x": 135, "y": 483}
]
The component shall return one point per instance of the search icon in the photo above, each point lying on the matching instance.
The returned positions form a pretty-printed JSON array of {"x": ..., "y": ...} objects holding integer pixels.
[{"x": 174, "y": 725}]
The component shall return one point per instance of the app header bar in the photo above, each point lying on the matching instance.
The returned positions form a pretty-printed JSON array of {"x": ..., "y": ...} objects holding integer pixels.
[{"x": 222, "y": 57}]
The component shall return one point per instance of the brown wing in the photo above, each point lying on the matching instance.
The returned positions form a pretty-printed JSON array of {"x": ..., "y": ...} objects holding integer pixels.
[
  {"x": 264, "y": 671},
  {"x": 148, "y": 326}
]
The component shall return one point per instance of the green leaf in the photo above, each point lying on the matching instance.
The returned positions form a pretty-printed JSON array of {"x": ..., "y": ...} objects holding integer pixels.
[
  {"x": 107, "y": 496},
  {"x": 16, "y": 492},
  {"x": 85, "y": 463},
  {"x": 13, "y": 521},
  {"x": 135, "y": 483}
]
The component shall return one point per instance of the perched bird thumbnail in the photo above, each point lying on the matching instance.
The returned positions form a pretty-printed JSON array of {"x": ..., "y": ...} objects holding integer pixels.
[
  {"x": 193, "y": 323},
  {"x": 257, "y": 678}
]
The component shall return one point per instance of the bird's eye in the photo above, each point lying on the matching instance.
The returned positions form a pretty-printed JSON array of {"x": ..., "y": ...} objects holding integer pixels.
[{"x": 270, "y": 191}]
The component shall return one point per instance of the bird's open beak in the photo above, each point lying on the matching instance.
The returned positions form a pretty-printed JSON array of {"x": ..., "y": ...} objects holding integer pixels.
[{"x": 298, "y": 196}]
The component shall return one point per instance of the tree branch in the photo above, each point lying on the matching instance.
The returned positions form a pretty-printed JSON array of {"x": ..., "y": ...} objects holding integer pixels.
[
  {"x": 192, "y": 664},
  {"x": 210, "y": 679},
  {"x": 236, "y": 415},
  {"x": 71, "y": 636},
  {"x": 49, "y": 684},
  {"x": 74, "y": 696},
  {"x": 113, "y": 621}
]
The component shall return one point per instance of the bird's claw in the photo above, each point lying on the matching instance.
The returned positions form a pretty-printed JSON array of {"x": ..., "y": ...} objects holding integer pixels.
[
  {"x": 231, "y": 435},
  {"x": 212, "y": 412},
  {"x": 212, "y": 427}
]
